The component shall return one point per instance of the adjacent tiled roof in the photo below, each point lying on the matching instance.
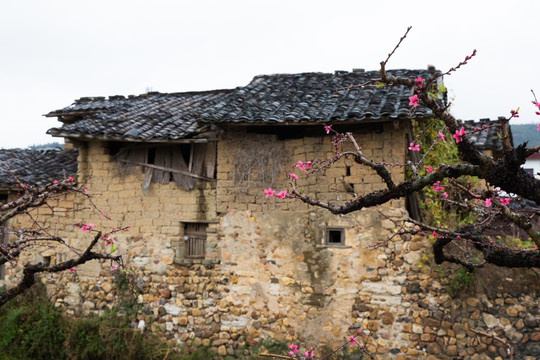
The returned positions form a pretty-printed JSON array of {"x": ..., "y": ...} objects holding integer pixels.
[
  {"x": 486, "y": 136},
  {"x": 314, "y": 97},
  {"x": 36, "y": 167},
  {"x": 149, "y": 117}
]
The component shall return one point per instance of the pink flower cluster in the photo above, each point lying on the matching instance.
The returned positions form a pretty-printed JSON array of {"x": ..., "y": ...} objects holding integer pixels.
[
  {"x": 419, "y": 81},
  {"x": 293, "y": 350},
  {"x": 414, "y": 147},
  {"x": 505, "y": 201},
  {"x": 437, "y": 186},
  {"x": 413, "y": 100},
  {"x": 327, "y": 128},
  {"x": 86, "y": 227},
  {"x": 303, "y": 165},
  {"x": 270, "y": 192},
  {"x": 458, "y": 135},
  {"x": 109, "y": 240}
]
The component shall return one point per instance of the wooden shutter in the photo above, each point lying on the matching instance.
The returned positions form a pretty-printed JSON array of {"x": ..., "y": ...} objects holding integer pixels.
[{"x": 196, "y": 240}]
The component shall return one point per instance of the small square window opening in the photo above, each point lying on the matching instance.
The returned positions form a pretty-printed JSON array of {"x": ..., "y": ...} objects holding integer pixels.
[{"x": 335, "y": 237}]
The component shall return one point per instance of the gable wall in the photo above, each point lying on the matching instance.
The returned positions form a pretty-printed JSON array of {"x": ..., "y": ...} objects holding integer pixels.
[{"x": 266, "y": 272}]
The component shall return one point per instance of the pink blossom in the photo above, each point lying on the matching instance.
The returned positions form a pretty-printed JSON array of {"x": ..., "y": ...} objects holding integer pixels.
[
  {"x": 269, "y": 192},
  {"x": 308, "y": 164},
  {"x": 90, "y": 226},
  {"x": 282, "y": 194},
  {"x": 487, "y": 202},
  {"x": 418, "y": 81},
  {"x": 534, "y": 247},
  {"x": 327, "y": 128},
  {"x": 434, "y": 234},
  {"x": 293, "y": 176},
  {"x": 538, "y": 128},
  {"x": 72, "y": 270},
  {"x": 441, "y": 135},
  {"x": 352, "y": 340},
  {"x": 114, "y": 267},
  {"x": 428, "y": 169},
  {"x": 414, "y": 147},
  {"x": 514, "y": 113},
  {"x": 536, "y": 103},
  {"x": 445, "y": 195},
  {"x": 413, "y": 100},
  {"x": 55, "y": 182},
  {"x": 84, "y": 228},
  {"x": 427, "y": 201},
  {"x": 85, "y": 190},
  {"x": 300, "y": 165},
  {"x": 437, "y": 187},
  {"x": 504, "y": 201},
  {"x": 70, "y": 179},
  {"x": 293, "y": 348},
  {"x": 459, "y": 133}
]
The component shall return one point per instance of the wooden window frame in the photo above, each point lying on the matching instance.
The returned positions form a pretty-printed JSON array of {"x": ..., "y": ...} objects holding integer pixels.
[{"x": 195, "y": 240}]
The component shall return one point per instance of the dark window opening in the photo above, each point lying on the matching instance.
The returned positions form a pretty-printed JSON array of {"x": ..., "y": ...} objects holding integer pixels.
[
  {"x": 46, "y": 260},
  {"x": 347, "y": 171},
  {"x": 151, "y": 155},
  {"x": 529, "y": 171},
  {"x": 187, "y": 154},
  {"x": 335, "y": 236},
  {"x": 115, "y": 147}
]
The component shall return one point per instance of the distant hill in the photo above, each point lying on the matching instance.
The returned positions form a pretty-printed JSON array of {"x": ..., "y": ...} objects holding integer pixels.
[
  {"x": 526, "y": 132},
  {"x": 53, "y": 145}
]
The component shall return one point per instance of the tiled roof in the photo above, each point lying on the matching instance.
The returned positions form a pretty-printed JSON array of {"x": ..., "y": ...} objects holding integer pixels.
[
  {"x": 487, "y": 135},
  {"x": 314, "y": 97},
  {"x": 36, "y": 167},
  {"x": 149, "y": 117},
  {"x": 293, "y": 98}
]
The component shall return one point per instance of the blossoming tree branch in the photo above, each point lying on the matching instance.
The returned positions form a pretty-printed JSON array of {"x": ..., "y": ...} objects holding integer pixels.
[
  {"x": 450, "y": 183},
  {"x": 38, "y": 234}
]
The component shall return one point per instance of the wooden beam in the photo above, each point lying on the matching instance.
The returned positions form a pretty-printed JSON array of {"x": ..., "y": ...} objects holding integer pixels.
[{"x": 167, "y": 169}]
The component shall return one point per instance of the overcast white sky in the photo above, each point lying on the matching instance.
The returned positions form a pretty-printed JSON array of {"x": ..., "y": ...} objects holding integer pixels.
[{"x": 55, "y": 51}]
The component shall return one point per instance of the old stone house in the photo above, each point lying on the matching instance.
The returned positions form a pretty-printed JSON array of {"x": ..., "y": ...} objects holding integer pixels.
[{"x": 220, "y": 265}]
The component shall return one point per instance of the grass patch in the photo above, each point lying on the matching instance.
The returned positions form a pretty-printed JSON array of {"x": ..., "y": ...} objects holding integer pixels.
[{"x": 32, "y": 328}]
